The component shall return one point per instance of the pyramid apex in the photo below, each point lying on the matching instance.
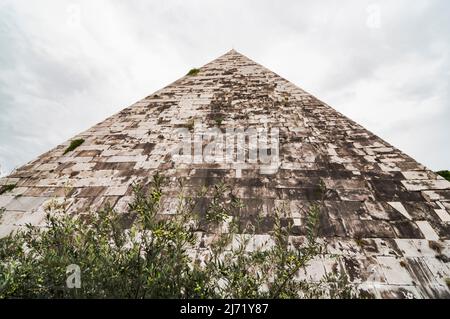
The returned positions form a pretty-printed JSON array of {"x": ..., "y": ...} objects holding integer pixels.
[{"x": 233, "y": 51}]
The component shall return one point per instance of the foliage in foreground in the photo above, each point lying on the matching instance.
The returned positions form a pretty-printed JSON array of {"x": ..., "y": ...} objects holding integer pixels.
[{"x": 159, "y": 257}]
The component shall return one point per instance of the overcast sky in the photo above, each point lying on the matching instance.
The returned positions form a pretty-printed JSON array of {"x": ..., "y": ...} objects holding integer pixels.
[{"x": 66, "y": 65}]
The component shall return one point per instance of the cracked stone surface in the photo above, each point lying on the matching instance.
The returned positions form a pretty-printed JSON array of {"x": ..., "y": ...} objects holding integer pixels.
[{"x": 385, "y": 218}]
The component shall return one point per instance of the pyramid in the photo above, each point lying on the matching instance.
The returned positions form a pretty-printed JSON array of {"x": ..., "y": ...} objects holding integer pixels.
[{"x": 385, "y": 217}]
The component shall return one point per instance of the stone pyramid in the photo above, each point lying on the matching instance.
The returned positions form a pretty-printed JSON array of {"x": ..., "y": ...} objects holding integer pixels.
[{"x": 385, "y": 216}]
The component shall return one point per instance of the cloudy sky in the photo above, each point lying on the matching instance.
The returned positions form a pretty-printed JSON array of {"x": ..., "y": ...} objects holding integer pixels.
[{"x": 66, "y": 65}]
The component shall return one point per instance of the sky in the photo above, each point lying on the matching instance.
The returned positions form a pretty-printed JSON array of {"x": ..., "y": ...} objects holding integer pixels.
[{"x": 67, "y": 65}]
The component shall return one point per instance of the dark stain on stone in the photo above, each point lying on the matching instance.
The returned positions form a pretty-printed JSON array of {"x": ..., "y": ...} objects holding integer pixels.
[{"x": 147, "y": 148}]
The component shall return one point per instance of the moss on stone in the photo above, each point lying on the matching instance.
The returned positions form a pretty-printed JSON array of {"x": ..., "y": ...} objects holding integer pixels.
[
  {"x": 193, "y": 72},
  {"x": 73, "y": 145}
]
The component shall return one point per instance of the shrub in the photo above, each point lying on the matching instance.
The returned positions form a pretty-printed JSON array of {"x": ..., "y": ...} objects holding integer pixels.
[{"x": 160, "y": 257}]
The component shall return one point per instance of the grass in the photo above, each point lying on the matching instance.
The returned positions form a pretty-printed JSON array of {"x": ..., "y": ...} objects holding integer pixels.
[
  {"x": 7, "y": 188},
  {"x": 73, "y": 145},
  {"x": 444, "y": 174},
  {"x": 193, "y": 72}
]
